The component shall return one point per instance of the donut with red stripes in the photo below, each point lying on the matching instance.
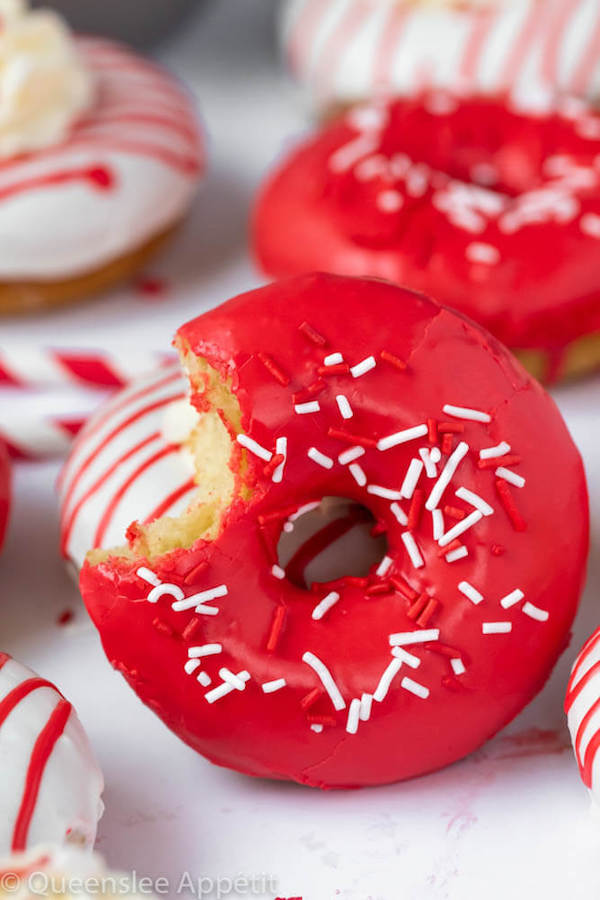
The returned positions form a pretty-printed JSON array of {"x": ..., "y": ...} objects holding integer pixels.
[
  {"x": 322, "y": 386},
  {"x": 50, "y": 783},
  {"x": 5, "y": 492},
  {"x": 343, "y": 51},
  {"x": 475, "y": 202},
  {"x": 582, "y": 706}
]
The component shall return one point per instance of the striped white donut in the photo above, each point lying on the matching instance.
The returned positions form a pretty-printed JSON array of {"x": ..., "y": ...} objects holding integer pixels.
[
  {"x": 582, "y": 706},
  {"x": 123, "y": 469},
  {"x": 348, "y": 50},
  {"x": 50, "y": 784},
  {"x": 127, "y": 172}
]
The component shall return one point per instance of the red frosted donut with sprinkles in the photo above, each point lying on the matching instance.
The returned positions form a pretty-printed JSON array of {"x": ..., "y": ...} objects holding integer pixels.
[
  {"x": 95, "y": 179},
  {"x": 478, "y": 204},
  {"x": 50, "y": 783},
  {"x": 342, "y": 51},
  {"x": 5, "y": 489},
  {"x": 323, "y": 386},
  {"x": 582, "y": 706}
]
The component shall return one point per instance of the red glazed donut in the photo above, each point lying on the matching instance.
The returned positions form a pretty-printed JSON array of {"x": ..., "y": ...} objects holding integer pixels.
[
  {"x": 4, "y": 489},
  {"x": 327, "y": 386},
  {"x": 486, "y": 208}
]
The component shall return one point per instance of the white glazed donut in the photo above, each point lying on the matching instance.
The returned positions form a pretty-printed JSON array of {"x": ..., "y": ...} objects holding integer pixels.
[
  {"x": 582, "y": 706},
  {"x": 126, "y": 466},
  {"x": 348, "y": 50},
  {"x": 50, "y": 783},
  {"x": 126, "y": 173}
]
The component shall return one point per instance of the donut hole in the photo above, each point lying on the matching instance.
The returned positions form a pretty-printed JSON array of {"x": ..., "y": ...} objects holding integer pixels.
[{"x": 328, "y": 541}]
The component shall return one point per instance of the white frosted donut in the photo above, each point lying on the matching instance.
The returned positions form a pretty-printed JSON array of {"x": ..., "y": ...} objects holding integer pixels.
[
  {"x": 127, "y": 172},
  {"x": 126, "y": 465},
  {"x": 348, "y": 50},
  {"x": 50, "y": 783},
  {"x": 582, "y": 706}
]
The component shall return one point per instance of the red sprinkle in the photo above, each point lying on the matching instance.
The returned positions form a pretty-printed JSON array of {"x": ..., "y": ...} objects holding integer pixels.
[
  {"x": 276, "y": 628},
  {"x": 509, "y": 505},
  {"x": 499, "y": 461},
  {"x": 338, "y": 369},
  {"x": 268, "y": 543},
  {"x": 453, "y": 512},
  {"x": 65, "y": 617},
  {"x": 393, "y": 360},
  {"x": 313, "y": 719},
  {"x": 427, "y": 613},
  {"x": 453, "y": 545},
  {"x": 432, "y": 431},
  {"x": 498, "y": 550},
  {"x": 382, "y": 587},
  {"x": 451, "y": 427},
  {"x": 311, "y": 698},
  {"x": 312, "y": 334},
  {"x": 193, "y": 574},
  {"x": 444, "y": 650},
  {"x": 193, "y": 627},
  {"x": 275, "y": 370},
  {"x": 416, "y": 608},
  {"x": 342, "y": 435},
  {"x": 275, "y": 461},
  {"x": 275, "y": 514},
  {"x": 403, "y": 587},
  {"x": 163, "y": 627},
  {"x": 379, "y": 528},
  {"x": 416, "y": 509},
  {"x": 447, "y": 444},
  {"x": 151, "y": 286}
]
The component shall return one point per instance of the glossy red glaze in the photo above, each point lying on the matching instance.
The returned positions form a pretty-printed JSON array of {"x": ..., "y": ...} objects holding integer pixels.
[
  {"x": 449, "y": 360},
  {"x": 487, "y": 209}
]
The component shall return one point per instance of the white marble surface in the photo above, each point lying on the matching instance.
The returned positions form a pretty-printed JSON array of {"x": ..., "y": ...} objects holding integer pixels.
[{"x": 512, "y": 820}]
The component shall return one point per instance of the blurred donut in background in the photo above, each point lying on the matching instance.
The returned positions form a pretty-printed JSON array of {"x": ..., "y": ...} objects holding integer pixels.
[{"x": 342, "y": 51}]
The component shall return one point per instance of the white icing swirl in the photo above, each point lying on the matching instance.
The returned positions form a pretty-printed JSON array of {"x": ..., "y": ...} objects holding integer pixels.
[{"x": 44, "y": 85}]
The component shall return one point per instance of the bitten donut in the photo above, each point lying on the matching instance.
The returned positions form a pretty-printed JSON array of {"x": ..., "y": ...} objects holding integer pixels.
[
  {"x": 474, "y": 202},
  {"x": 5, "y": 482},
  {"x": 94, "y": 179},
  {"x": 322, "y": 386},
  {"x": 50, "y": 783},
  {"x": 343, "y": 51},
  {"x": 582, "y": 706}
]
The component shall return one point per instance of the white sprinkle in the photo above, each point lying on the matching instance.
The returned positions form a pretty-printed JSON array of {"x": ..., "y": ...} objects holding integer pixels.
[
  {"x": 448, "y": 471},
  {"x": 348, "y": 456},
  {"x": 541, "y": 615},
  {"x": 254, "y": 447},
  {"x": 346, "y": 156},
  {"x": 500, "y": 449},
  {"x": 384, "y": 566},
  {"x": 148, "y": 576},
  {"x": 430, "y": 467},
  {"x": 385, "y": 681},
  {"x": 278, "y": 572},
  {"x": 387, "y": 493},
  {"x": 344, "y": 406},
  {"x": 303, "y": 408},
  {"x": 229, "y": 684},
  {"x": 325, "y": 605},
  {"x": 165, "y": 590},
  {"x": 197, "y": 601},
  {"x": 411, "y": 478},
  {"x": 366, "y": 702},
  {"x": 590, "y": 225},
  {"x": 478, "y": 252},
  {"x": 424, "y": 636},
  {"x": 458, "y": 667},
  {"x": 288, "y": 527},
  {"x": 435, "y": 454},
  {"x": 317, "y": 728},
  {"x": 389, "y": 201},
  {"x": 463, "y": 412},
  {"x": 326, "y": 679},
  {"x": 353, "y": 716},
  {"x": 496, "y": 627},
  {"x": 409, "y": 658},
  {"x": 401, "y": 437},
  {"x": 470, "y": 592},
  {"x": 270, "y": 687},
  {"x": 510, "y": 476},
  {"x": 457, "y": 554},
  {"x": 399, "y": 513},
  {"x": 363, "y": 367},
  {"x": 412, "y": 549},
  {"x": 475, "y": 500},
  {"x": 419, "y": 690},
  {"x": 280, "y": 450},
  {"x": 204, "y": 679},
  {"x": 191, "y": 666},
  {"x": 510, "y": 599},
  {"x": 460, "y": 527},
  {"x": 358, "y": 474},
  {"x": 321, "y": 460},
  {"x": 438, "y": 523},
  {"x": 334, "y": 359},
  {"x": 204, "y": 650},
  {"x": 306, "y": 508}
]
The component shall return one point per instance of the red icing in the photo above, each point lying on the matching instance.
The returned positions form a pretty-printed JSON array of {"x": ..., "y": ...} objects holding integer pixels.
[
  {"x": 265, "y": 624},
  {"x": 535, "y": 283}
]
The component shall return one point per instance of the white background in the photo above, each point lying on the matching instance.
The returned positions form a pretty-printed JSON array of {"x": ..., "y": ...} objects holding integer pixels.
[{"x": 512, "y": 820}]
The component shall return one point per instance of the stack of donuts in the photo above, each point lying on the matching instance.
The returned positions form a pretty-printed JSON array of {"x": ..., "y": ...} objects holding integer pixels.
[{"x": 329, "y": 514}]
